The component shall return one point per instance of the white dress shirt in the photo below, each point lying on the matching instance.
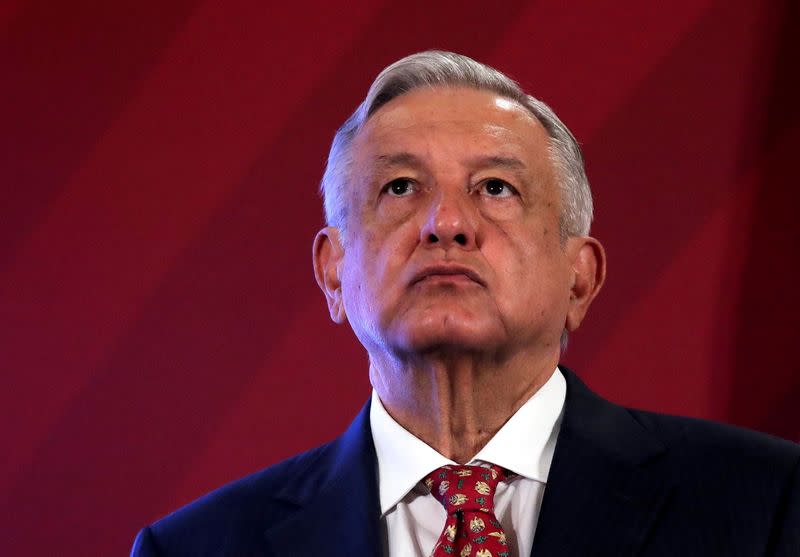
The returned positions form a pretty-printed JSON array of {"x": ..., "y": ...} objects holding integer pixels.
[{"x": 412, "y": 519}]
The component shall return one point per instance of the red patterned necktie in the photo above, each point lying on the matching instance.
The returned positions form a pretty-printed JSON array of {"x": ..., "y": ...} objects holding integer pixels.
[{"x": 467, "y": 494}]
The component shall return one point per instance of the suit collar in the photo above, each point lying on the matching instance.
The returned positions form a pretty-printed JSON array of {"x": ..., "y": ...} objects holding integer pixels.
[
  {"x": 604, "y": 490},
  {"x": 336, "y": 500},
  {"x": 603, "y": 493}
]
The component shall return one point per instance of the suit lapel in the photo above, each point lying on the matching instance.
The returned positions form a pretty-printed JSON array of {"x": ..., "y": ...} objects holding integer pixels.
[
  {"x": 337, "y": 510},
  {"x": 603, "y": 492}
]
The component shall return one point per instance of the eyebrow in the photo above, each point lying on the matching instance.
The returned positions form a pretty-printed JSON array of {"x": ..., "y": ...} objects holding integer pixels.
[
  {"x": 511, "y": 163},
  {"x": 408, "y": 159},
  {"x": 398, "y": 159}
]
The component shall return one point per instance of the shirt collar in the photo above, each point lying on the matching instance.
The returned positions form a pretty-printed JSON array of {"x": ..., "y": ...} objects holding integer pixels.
[
  {"x": 526, "y": 442},
  {"x": 403, "y": 459},
  {"x": 524, "y": 445}
]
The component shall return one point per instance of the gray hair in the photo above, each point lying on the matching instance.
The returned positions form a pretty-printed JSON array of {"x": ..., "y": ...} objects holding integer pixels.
[{"x": 435, "y": 68}]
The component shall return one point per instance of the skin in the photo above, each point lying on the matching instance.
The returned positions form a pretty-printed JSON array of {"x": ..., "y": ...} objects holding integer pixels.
[{"x": 454, "y": 277}]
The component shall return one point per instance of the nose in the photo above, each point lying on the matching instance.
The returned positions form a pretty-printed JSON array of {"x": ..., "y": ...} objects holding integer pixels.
[{"x": 452, "y": 221}]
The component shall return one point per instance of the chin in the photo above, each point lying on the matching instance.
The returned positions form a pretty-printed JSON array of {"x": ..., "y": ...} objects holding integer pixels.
[{"x": 449, "y": 335}]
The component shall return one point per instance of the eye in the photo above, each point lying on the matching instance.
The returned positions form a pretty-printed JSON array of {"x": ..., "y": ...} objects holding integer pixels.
[
  {"x": 495, "y": 187},
  {"x": 399, "y": 187}
]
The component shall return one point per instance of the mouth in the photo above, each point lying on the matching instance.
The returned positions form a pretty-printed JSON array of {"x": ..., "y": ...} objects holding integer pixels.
[{"x": 447, "y": 274}]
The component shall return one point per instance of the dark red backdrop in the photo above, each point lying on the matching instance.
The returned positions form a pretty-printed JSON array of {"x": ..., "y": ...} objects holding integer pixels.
[{"x": 160, "y": 329}]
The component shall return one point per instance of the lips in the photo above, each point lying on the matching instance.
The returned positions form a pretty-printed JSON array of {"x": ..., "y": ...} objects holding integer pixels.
[{"x": 445, "y": 271}]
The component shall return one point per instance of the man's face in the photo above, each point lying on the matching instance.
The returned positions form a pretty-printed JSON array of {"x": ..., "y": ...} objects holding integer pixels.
[{"x": 453, "y": 228}]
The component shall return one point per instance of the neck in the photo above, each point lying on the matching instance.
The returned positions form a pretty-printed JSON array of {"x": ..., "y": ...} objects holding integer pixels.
[{"x": 456, "y": 402}]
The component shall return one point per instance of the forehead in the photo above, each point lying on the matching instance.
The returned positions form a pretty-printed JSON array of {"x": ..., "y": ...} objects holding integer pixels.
[{"x": 454, "y": 123}]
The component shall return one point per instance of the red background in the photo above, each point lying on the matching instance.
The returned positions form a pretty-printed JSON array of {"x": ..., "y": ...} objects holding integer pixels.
[{"x": 160, "y": 329}]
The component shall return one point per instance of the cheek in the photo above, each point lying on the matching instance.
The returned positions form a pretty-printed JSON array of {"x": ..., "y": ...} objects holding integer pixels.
[
  {"x": 376, "y": 262},
  {"x": 500, "y": 211},
  {"x": 532, "y": 272},
  {"x": 396, "y": 210},
  {"x": 388, "y": 242}
]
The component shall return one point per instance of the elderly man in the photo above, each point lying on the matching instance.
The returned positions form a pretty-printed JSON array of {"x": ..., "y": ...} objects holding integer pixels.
[{"x": 457, "y": 249}]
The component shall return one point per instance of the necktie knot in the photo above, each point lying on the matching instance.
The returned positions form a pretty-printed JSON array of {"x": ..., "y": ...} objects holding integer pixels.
[
  {"x": 467, "y": 494},
  {"x": 465, "y": 488}
]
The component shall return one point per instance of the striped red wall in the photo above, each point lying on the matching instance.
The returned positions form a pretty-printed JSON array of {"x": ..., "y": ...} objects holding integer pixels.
[{"x": 160, "y": 329}]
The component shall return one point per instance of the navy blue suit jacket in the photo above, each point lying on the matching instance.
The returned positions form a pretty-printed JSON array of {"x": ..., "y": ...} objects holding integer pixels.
[{"x": 622, "y": 483}]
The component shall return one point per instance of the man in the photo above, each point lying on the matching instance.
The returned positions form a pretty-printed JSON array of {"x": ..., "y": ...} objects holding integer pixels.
[{"x": 457, "y": 249}]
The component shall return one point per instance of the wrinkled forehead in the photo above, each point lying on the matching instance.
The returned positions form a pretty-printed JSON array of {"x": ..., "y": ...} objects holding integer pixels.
[
  {"x": 450, "y": 106},
  {"x": 453, "y": 123}
]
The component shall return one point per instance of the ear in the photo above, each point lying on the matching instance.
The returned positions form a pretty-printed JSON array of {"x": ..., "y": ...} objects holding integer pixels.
[
  {"x": 327, "y": 254},
  {"x": 589, "y": 272}
]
